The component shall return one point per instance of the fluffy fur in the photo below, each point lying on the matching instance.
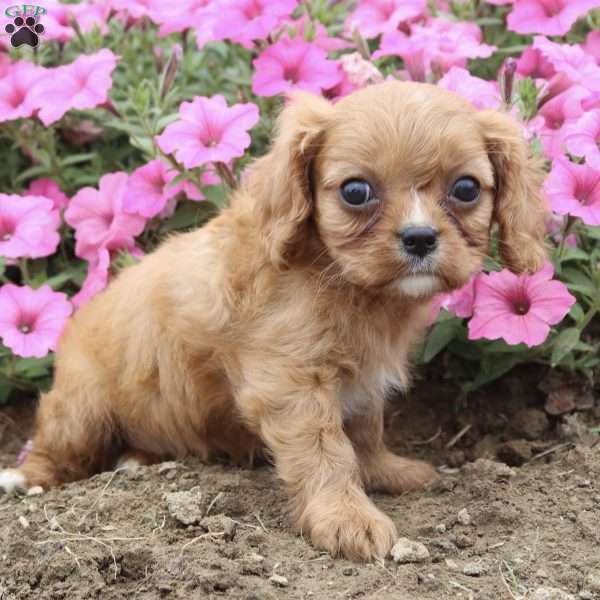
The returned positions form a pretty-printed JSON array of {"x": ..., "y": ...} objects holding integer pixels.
[{"x": 282, "y": 322}]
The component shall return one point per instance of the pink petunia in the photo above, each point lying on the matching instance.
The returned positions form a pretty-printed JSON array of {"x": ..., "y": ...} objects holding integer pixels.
[
  {"x": 559, "y": 111},
  {"x": 15, "y": 91},
  {"x": 442, "y": 43},
  {"x": 481, "y": 93},
  {"x": 374, "y": 17},
  {"x": 550, "y": 17},
  {"x": 518, "y": 308},
  {"x": 583, "y": 136},
  {"x": 293, "y": 64},
  {"x": 96, "y": 279},
  {"x": 28, "y": 226},
  {"x": 575, "y": 190},
  {"x": 460, "y": 302},
  {"x": 48, "y": 188},
  {"x": 183, "y": 15},
  {"x": 31, "y": 321},
  {"x": 243, "y": 21},
  {"x": 99, "y": 220},
  {"x": 82, "y": 84},
  {"x": 592, "y": 44},
  {"x": 149, "y": 189},
  {"x": 318, "y": 34},
  {"x": 209, "y": 131},
  {"x": 570, "y": 61}
]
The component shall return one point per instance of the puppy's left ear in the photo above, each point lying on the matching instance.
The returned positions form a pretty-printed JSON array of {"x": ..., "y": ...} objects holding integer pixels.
[
  {"x": 280, "y": 182},
  {"x": 518, "y": 209}
]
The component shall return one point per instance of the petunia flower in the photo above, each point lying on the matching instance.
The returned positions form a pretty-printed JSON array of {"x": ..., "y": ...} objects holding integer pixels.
[
  {"x": 518, "y": 308},
  {"x": 582, "y": 137},
  {"x": 316, "y": 33},
  {"x": 460, "y": 302},
  {"x": 28, "y": 226},
  {"x": 481, "y": 93},
  {"x": 175, "y": 17},
  {"x": 442, "y": 42},
  {"x": 592, "y": 44},
  {"x": 15, "y": 90},
  {"x": 550, "y": 17},
  {"x": 99, "y": 220},
  {"x": 570, "y": 61},
  {"x": 292, "y": 64},
  {"x": 209, "y": 131},
  {"x": 243, "y": 21},
  {"x": 149, "y": 189},
  {"x": 31, "y": 321},
  {"x": 561, "y": 110},
  {"x": 48, "y": 188},
  {"x": 374, "y": 17},
  {"x": 575, "y": 190},
  {"x": 82, "y": 84},
  {"x": 96, "y": 279}
]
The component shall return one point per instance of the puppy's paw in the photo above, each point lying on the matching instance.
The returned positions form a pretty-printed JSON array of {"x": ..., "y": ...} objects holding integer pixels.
[
  {"x": 393, "y": 474},
  {"x": 351, "y": 526},
  {"x": 12, "y": 481}
]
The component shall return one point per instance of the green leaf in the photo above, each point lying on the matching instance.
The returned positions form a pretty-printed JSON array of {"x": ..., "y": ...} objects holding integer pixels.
[
  {"x": 5, "y": 391},
  {"x": 439, "y": 337},
  {"x": 77, "y": 158},
  {"x": 495, "y": 367},
  {"x": 32, "y": 368},
  {"x": 2, "y": 265},
  {"x": 574, "y": 254},
  {"x": 576, "y": 312},
  {"x": 563, "y": 344}
]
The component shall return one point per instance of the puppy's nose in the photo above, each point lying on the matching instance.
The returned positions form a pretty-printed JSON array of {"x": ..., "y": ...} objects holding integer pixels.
[{"x": 419, "y": 240}]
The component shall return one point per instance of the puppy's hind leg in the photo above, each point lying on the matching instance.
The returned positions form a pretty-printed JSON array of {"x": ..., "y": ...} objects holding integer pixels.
[{"x": 74, "y": 437}]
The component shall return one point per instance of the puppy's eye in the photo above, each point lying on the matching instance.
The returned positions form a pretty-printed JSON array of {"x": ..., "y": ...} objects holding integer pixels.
[
  {"x": 465, "y": 189},
  {"x": 357, "y": 192}
]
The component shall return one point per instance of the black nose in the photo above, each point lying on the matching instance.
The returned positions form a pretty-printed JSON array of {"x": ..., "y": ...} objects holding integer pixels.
[{"x": 419, "y": 241}]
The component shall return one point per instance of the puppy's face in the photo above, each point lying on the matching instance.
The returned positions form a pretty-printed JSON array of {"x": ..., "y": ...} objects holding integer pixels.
[{"x": 403, "y": 182}]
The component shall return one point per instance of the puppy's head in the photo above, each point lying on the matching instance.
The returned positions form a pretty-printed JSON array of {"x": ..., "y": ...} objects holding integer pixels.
[{"x": 401, "y": 184}]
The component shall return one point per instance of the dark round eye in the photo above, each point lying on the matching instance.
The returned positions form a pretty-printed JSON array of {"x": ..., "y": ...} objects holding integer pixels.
[
  {"x": 357, "y": 192},
  {"x": 465, "y": 189}
]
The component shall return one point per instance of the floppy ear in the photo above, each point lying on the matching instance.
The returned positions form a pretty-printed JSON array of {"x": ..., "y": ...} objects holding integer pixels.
[
  {"x": 280, "y": 182},
  {"x": 518, "y": 209}
]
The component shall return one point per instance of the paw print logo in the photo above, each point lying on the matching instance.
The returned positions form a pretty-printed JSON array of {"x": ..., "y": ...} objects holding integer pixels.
[{"x": 24, "y": 31}]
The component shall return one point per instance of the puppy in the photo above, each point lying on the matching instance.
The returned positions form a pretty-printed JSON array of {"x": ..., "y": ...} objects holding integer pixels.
[{"x": 284, "y": 320}]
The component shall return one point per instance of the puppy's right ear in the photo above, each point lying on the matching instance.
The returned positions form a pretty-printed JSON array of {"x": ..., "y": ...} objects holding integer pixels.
[{"x": 280, "y": 182}]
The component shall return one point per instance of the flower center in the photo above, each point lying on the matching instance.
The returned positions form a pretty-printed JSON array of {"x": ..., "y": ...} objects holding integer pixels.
[
  {"x": 582, "y": 196},
  {"x": 551, "y": 7},
  {"x": 252, "y": 10},
  {"x": 291, "y": 74},
  {"x": 6, "y": 230},
  {"x": 522, "y": 306},
  {"x": 24, "y": 328}
]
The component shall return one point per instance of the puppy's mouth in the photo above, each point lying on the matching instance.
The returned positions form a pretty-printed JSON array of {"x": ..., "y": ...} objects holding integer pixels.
[{"x": 420, "y": 285}]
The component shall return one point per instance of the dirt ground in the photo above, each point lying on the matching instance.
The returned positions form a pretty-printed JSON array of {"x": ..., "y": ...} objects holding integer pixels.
[{"x": 186, "y": 530}]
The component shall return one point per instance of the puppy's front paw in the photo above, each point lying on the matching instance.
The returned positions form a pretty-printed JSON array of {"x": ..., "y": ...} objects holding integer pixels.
[
  {"x": 350, "y": 526},
  {"x": 393, "y": 474},
  {"x": 12, "y": 480}
]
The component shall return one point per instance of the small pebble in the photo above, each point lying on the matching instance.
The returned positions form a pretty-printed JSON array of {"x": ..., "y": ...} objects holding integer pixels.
[
  {"x": 592, "y": 581},
  {"x": 474, "y": 569},
  {"x": 36, "y": 490},
  {"x": 441, "y": 528},
  {"x": 279, "y": 581},
  {"x": 348, "y": 571},
  {"x": 464, "y": 518},
  {"x": 452, "y": 564},
  {"x": 463, "y": 541},
  {"x": 23, "y": 522},
  {"x": 409, "y": 551}
]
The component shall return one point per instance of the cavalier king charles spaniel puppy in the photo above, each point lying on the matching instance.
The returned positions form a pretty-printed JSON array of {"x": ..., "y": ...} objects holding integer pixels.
[{"x": 282, "y": 322}]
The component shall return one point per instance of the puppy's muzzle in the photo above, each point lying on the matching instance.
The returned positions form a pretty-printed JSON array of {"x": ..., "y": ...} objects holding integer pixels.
[{"x": 418, "y": 240}]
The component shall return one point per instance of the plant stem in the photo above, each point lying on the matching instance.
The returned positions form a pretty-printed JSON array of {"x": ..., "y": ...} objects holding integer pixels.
[{"x": 25, "y": 271}]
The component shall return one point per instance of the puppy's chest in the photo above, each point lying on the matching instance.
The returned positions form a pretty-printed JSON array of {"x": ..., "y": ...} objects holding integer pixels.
[{"x": 360, "y": 395}]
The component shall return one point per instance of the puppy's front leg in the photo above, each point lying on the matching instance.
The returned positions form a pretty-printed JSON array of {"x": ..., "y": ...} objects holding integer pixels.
[
  {"x": 318, "y": 464},
  {"x": 382, "y": 470}
]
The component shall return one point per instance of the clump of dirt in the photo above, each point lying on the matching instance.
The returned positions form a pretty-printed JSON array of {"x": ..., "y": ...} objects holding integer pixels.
[{"x": 515, "y": 514}]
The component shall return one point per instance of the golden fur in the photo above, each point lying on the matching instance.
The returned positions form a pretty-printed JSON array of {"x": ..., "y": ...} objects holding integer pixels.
[{"x": 284, "y": 320}]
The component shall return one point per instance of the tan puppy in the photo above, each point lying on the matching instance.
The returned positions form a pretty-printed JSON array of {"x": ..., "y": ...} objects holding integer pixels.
[{"x": 286, "y": 318}]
